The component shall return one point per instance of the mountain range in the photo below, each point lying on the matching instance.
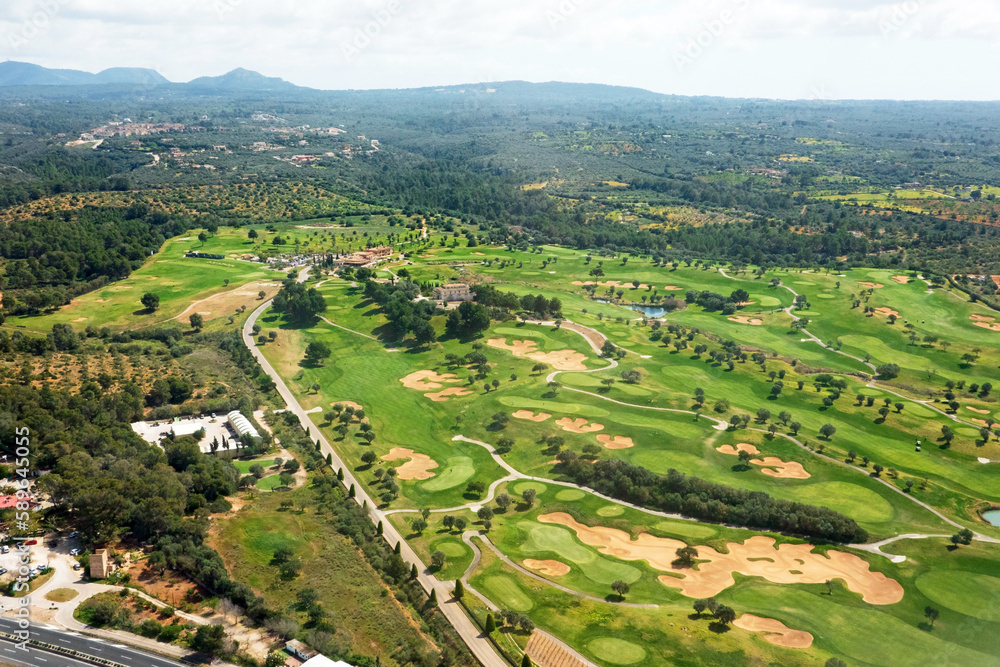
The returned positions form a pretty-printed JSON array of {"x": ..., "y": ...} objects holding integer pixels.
[{"x": 15, "y": 73}]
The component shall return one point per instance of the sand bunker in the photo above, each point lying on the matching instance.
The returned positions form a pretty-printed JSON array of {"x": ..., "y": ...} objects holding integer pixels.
[
  {"x": 981, "y": 318},
  {"x": 902, "y": 280},
  {"x": 617, "y": 442},
  {"x": 442, "y": 396},
  {"x": 985, "y": 322},
  {"x": 871, "y": 285},
  {"x": 578, "y": 425},
  {"x": 562, "y": 360},
  {"x": 981, "y": 422},
  {"x": 746, "y": 320},
  {"x": 531, "y": 416},
  {"x": 609, "y": 283},
  {"x": 427, "y": 380},
  {"x": 418, "y": 467},
  {"x": 551, "y": 568},
  {"x": 757, "y": 557},
  {"x": 742, "y": 447},
  {"x": 987, "y": 325},
  {"x": 886, "y": 312},
  {"x": 977, "y": 410},
  {"x": 781, "y": 469},
  {"x": 349, "y": 404},
  {"x": 780, "y": 634},
  {"x": 673, "y": 288}
]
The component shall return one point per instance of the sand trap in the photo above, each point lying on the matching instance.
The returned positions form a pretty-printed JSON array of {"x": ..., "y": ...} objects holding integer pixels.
[
  {"x": 531, "y": 416},
  {"x": 418, "y": 467},
  {"x": 977, "y": 410},
  {"x": 442, "y": 396},
  {"x": 348, "y": 404},
  {"x": 673, "y": 288},
  {"x": 987, "y": 325},
  {"x": 981, "y": 318},
  {"x": 742, "y": 447},
  {"x": 551, "y": 568},
  {"x": 426, "y": 380},
  {"x": 780, "y": 634},
  {"x": 886, "y": 312},
  {"x": 757, "y": 557},
  {"x": 782, "y": 469},
  {"x": 609, "y": 283},
  {"x": 578, "y": 425},
  {"x": 754, "y": 322},
  {"x": 744, "y": 304},
  {"x": 616, "y": 442},
  {"x": 562, "y": 360},
  {"x": 481, "y": 254},
  {"x": 80, "y": 319},
  {"x": 981, "y": 422},
  {"x": 902, "y": 280},
  {"x": 871, "y": 285}
]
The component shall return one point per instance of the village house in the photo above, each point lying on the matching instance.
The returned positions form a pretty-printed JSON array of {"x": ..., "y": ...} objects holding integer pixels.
[{"x": 453, "y": 293}]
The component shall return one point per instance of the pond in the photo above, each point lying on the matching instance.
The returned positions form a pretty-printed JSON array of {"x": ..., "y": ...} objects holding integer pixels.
[
  {"x": 653, "y": 312},
  {"x": 993, "y": 517}
]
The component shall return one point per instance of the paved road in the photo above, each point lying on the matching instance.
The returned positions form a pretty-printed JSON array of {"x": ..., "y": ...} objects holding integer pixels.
[
  {"x": 71, "y": 640},
  {"x": 478, "y": 645}
]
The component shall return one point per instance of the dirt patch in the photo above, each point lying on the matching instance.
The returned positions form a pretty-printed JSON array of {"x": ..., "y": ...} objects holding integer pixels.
[
  {"x": 427, "y": 380},
  {"x": 757, "y": 557},
  {"x": 886, "y": 312},
  {"x": 442, "y": 396},
  {"x": 530, "y": 416},
  {"x": 977, "y": 410},
  {"x": 616, "y": 442},
  {"x": 867, "y": 285},
  {"x": 226, "y": 303},
  {"x": 902, "y": 280},
  {"x": 551, "y": 568},
  {"x": 742, "y": 447},
  {"x": 747, "y": 320},
  {"x": 779, "y": 633},
  {"x": 562, "y": 360},
  {"x": 545, "y": 652},
  {"x": 418, "y": 467},
  {"x": 80, "y": 319},
  {"x": 578, "y": 425}
]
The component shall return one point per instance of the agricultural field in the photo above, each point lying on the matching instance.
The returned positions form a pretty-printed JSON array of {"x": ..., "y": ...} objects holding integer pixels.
[{"x": 455, "y": 442}]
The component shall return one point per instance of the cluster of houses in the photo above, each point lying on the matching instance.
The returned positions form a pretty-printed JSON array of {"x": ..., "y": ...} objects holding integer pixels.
[{"x": 368, "y": 258}]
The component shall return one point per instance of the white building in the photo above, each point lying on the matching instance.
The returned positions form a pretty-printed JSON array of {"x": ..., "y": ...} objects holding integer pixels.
[
  {"x": 453, "y": 293},
  {"x": 242, "y": 425}
]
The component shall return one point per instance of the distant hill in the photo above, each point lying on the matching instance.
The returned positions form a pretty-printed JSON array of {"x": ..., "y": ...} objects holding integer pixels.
[
  {"x": 14, "y": 73},
  {"x": 242, "y": 79}
]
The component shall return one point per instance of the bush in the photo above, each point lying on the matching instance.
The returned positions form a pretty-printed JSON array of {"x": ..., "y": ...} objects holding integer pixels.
[{"x": 149, "y": 628}]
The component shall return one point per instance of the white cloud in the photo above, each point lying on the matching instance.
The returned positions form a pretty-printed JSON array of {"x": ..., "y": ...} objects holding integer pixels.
[{"x": 767, "y": 46}]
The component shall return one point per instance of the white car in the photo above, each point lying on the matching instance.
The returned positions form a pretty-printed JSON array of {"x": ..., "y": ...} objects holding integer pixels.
[{"x": 74, "y": 552}]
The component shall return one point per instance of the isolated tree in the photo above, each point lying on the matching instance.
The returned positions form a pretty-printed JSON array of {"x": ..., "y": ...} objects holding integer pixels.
[
  {"x": 316, "y": 352},
  {"x": 827, "y": 430},
  {"x": 932, "y": 614},
  {"x": 724, "y": 614},
  {"x": 963, "y": 536},
  {"x": 686, "y": 555},
  {"x": 503, "y": 501},
  {"x": 621, "y": 588},
  {"x": 197, "y": 321},
  {"x": 150, "y": 301},
  {"x": 529, "y": 495},
  {"x": 459, "y": 591},
  {"x": 419, "y": 526}
]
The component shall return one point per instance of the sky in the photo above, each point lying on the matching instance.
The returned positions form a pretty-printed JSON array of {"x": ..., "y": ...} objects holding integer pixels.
[{"x": 790, "y": 49}]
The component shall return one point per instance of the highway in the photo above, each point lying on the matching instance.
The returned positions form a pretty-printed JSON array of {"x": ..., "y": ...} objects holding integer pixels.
[
  {"x": 77, "y": 642},
  {"x": 480, "y": 647}
]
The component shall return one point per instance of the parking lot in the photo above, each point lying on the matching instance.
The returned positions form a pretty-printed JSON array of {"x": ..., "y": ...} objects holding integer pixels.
[{"x": 215, "y": 428}]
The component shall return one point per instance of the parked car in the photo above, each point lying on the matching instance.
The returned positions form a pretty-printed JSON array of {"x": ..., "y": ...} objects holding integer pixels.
[
  {"x": 3, "y": 570},
  {"x": 5, "y": 549},
  {"x": 31, "y": 542},
  {"x": 74, "y": 552},
  {"x": 76, "y": 566},
  {"x": 74, "y": 534}
]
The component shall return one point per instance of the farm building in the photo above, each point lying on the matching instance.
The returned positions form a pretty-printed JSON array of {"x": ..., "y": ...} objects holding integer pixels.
[{"x": 242, "y": 425}]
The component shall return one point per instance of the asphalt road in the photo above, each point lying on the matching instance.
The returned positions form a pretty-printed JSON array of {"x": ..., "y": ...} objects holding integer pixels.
[
  {"x": 71, "y": 640},
  {"x": 467, "y": 630}
]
